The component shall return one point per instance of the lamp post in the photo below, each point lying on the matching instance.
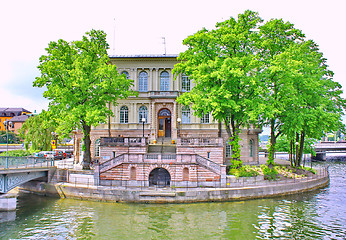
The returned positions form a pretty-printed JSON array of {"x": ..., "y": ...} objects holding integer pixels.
[
  {"x": 179, "y": 121},
  {"x": 143, "y": 121},
  {"x": 7, "y": 124}
]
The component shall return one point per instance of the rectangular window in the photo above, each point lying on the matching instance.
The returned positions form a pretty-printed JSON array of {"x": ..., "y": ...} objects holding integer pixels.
[
  {"x": 228, "y": 150},
  {"x": 205, "y": 118},
  {"x": 185, "y": 115},
  {"x": 185, "y": 83}
]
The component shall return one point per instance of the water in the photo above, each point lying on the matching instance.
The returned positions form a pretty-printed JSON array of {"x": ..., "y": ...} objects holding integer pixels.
[{"x": 315, "y": 215}]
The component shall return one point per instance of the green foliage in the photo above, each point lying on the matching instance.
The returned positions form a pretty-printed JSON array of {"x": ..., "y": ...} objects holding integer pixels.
[
  {"x": 222, "y": 64},
  {"x": 16, "y": 153},
  {"x": 269, "y": 174},
  {"x": 12, "y": 137},
  {"x": 235, "y": 164},
  {"x": 37, "y": 131},
  {"x": 244, "y": 171},
  {"x": 310, "y": 169},
  {"x": 80, "y": 84}
]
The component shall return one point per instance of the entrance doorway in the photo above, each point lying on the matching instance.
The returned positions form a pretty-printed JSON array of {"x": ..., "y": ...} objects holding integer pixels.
[
  {"x": 164, "y": 123},
  {"x": 159, "y": 177}
]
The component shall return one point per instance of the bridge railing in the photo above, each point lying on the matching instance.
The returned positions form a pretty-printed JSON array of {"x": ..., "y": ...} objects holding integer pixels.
[{"x": 24, "y": 162}]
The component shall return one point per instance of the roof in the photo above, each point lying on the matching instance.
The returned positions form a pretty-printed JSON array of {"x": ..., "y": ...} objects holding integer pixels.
[
  {"x": 6, "y": 112},
  {"x": 145, "y": 56},
  {"x": 21, "y": 118}
]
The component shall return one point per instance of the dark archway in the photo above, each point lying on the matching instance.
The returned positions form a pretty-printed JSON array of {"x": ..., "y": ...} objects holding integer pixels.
[{"x": 159, "y": 177}]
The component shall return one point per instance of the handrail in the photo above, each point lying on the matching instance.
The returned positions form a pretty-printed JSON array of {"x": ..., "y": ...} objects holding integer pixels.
[
  {"x": 24, "y": 162},
  {"x": 113, "y": 162},
  {"x": 213, "y": 166}
]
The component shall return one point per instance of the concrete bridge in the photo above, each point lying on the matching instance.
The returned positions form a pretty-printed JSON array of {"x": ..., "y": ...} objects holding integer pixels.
[
  {"x": 15, "y": 171},
  {"x": 322, "y": 148}
]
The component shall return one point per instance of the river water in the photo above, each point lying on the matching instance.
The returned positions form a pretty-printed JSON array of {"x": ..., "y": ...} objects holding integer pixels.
[{"x": 319, "y": 214}]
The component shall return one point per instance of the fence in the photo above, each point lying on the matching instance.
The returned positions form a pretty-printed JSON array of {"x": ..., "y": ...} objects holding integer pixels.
[
  {"x": 231, "y": 182},
  {"x": 24, "y": 162}
]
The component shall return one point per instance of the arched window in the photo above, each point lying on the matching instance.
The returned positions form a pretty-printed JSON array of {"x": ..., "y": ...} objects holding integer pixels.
[
  {"x": 97, "y": 147},
  {"x": 164, "y": 81},
  {"x": 185, "y": 83},
  {"x": 251, "y": 147},
  {"x": 143, "y": 113},
  {"x": 186, "y": 174},
  {"x": 124, "y": 114},
  {"x": 126, "y": 74},
  {"x": 133, "y": 173},
  {"x": 143, "y": 82},
  {"x": 185, "y": 114},
  {"x": 228, "y": 150},
  {"x": 205, "y": 118}
]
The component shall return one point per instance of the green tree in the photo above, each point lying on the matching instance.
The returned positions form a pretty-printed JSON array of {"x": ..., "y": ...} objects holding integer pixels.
[
  {"x": 37, "y": 131},
  {"x": 276, "y": 36},
  {"x": 80, "y": 81},
  {"x": 222, "y": 64},
  {"x": 12, "y": 137},
  {"x": 313, "y": 104}
]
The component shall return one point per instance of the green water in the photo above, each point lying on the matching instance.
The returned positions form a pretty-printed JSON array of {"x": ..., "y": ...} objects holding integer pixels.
[{"x": 316, "y": 215}]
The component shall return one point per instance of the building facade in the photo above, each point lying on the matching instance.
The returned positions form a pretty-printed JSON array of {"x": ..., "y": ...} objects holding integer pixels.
[
  {"x": 159, "y": 134},
  {"x": 16, "y": 115}
]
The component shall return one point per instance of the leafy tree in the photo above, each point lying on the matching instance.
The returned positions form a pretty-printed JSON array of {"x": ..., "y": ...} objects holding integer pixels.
[
  {"x": 222, "y": 64},
  {"x": 80, "y": 82},
  {"x": 37, "y": 131},
  {"x": 276, "y": 36},
  {"x": 313, "y": 104},
  {"x": 12, "y": 137}
]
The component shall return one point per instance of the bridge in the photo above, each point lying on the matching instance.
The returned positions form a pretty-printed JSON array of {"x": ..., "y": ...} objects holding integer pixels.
[
  {"x": 15, "y": 171},
  {"x": 321, "y": 148}
]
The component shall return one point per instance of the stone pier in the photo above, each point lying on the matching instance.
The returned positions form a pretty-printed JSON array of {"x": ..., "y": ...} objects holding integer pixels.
[{"x": 8, "y": 202}]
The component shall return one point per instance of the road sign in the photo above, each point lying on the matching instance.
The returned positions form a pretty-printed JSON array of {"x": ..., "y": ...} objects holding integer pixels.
[{"x": 53, "y": 142}]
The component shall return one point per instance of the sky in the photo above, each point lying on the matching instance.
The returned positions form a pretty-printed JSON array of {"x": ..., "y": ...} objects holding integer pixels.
[{"x": 137, "y": 27}]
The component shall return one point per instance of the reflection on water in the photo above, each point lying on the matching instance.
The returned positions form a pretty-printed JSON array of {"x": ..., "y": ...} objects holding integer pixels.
[{"x": 316, "y": 215}]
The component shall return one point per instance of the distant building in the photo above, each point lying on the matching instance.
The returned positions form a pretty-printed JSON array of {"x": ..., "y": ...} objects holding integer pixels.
[{"x": 17, "y": 115}]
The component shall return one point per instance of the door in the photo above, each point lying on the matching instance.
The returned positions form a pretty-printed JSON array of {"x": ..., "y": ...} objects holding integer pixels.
[{"x": 164, "y": 123}]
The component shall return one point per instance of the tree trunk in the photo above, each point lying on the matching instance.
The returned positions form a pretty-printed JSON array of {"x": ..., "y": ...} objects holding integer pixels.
[
  {"x": 301, "y": 148},
  {"x": 109, "y": 121},
  {"x": 87, "y": 143},
  {"x": 271, "y": 150}
]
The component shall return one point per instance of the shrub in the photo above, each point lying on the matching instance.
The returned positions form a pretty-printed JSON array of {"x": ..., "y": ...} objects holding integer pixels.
[
  {"x": 16, "y": 153},
  {"x": 247, "y": 171},
  {"x": 269, "y": 174},
  {"x": 235, "y": 164}
]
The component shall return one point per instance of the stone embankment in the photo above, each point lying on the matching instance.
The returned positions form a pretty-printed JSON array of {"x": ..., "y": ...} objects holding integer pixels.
[{"x": 81, "y": 186}]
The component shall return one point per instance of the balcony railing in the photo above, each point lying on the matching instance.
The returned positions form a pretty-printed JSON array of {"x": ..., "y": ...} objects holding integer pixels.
[
  {"x": 122, "y": 141},
  {"x": 163, "y": 94}
]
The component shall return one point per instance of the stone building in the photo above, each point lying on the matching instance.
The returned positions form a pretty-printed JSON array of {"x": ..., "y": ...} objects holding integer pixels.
[{"x": 153, "y": 140}]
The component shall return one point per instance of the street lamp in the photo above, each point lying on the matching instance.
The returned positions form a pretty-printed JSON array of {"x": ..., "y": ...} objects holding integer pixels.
[
  {"x": 179, "y": 121},
  {"x": 7, "y": 124},
  {"x": 143, "y": 121}
]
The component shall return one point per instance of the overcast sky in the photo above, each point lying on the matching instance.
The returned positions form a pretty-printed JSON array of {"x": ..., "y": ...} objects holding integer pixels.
[{"x": 137, "y": 27}]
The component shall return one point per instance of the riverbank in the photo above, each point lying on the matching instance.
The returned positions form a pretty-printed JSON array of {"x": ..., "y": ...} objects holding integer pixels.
[{"x": 237, "y": 189}]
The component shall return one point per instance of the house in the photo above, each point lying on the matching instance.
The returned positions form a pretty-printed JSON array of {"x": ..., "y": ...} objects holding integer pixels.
[
  {"x": 15, "y": 115},
  {"x": 153, "y": 140}
]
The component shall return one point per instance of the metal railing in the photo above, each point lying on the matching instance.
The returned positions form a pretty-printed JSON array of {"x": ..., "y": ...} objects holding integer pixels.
[{"x": 24, "y": 162}]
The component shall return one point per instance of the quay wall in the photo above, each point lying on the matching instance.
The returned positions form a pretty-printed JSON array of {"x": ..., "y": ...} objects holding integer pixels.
[{"x": 186, "y": 195}]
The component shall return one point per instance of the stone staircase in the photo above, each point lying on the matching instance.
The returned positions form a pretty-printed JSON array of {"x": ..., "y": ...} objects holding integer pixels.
[{"x": 163, "y": 145}]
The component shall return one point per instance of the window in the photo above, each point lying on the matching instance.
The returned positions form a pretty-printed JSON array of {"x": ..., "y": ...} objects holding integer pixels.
[
  {"x": 205, "y": 118},
  {"x": 228, "y": 150},
  {"x": 143, "y": 113},
  {"x": 164, "y": 81},
  {"x": 124, "y": 114},
  {"x": 186, "y": 174},
  {"x": 185, "y": 114},
  {"x": 126, "y": 74},
  {"x": 251, "y": 147},
  {"x": 97, "y": 147},
  {"x": 185, "y": 83},
  {"x": 143, "y": 82},
  {"x": 208, "y": 155}
]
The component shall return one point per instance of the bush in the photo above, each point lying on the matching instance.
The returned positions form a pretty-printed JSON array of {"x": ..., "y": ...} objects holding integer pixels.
[
  {"x": 16, "y": 153},
  {"x": 243, "y": 171},
  {"x": 235, "y": 164},
  {"x": 269, "y": 174}
]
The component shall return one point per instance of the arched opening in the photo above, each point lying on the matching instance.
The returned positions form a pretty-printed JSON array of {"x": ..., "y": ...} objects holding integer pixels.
[
  {"x": 159, "y": 177},
  {"x": 164, "y": 123}
]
